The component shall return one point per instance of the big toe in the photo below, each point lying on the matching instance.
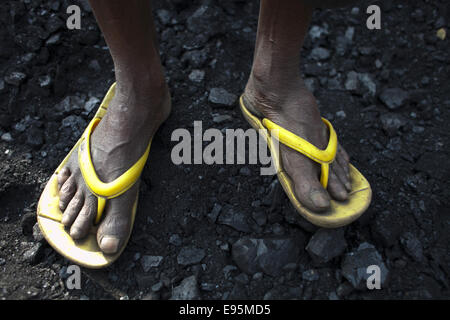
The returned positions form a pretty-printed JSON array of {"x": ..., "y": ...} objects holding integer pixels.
[
  {"x": 115, "y": 227},
  {"x": 110, "y": 244},
  {"x": 310, "y": 192},
  {"x": 319, "y": 199}
]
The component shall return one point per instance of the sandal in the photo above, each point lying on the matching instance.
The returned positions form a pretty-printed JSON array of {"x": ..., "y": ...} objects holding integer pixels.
[
  {"x": 86, "y": 252},
  {"x": 340, "y": 213}
]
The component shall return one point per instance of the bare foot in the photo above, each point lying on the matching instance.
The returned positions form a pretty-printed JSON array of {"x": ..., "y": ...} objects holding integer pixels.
[
  {"x": 120, "y": 139},
  {"x": 293, "y": 107}
]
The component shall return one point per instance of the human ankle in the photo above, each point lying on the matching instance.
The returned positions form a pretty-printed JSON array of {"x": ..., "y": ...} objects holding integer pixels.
[
  {"x": 138, "y": 106},
  {"x": 141, "y": 88},
  {"x": 141, "y": 78},
  {"x": 291, "y": 99},
  {"x": 142, "y": 83},
  {"x": 262, "y": 91},
  {"x": 270, "y": 80}
]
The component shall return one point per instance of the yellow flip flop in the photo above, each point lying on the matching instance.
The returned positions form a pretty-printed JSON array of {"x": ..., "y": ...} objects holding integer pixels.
[
  {"x": 86, "y": 252},
  {"x": 340, "y": 213}
]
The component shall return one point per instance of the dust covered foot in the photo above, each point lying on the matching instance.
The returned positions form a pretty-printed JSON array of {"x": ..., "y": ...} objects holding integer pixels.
[
  {"x": 294, "y": 108},
  {"x": 119, "y": 140}
]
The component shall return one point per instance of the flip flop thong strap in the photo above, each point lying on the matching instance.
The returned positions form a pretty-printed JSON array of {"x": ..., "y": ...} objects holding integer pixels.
[
  {"x": 324, "y": 157},
  {"x": 106, "y": 190}
]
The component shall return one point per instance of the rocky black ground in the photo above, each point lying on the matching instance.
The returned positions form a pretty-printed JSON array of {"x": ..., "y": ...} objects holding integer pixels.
[{"x": 224, "y": 231}]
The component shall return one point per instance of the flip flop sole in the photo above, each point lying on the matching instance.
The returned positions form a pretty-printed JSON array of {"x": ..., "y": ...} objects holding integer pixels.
[
  {"x": 82, "y": 252},
  {"x": 340, "y": 213}
]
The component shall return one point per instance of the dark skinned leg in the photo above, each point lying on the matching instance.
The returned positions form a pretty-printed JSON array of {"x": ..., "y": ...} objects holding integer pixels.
[
  {"x": 276, "y": 90},
  {"x": 140, "y": 105}
]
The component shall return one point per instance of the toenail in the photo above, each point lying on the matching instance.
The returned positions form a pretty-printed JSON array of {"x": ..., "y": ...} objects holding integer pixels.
[
  {"x": 65, "y": 220},
  {"x": 110, "y": 244},
  {"x": 348, "y": 185},
  {"x": 319, "y": 199},
  {"x": 75, "y": 232}
]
